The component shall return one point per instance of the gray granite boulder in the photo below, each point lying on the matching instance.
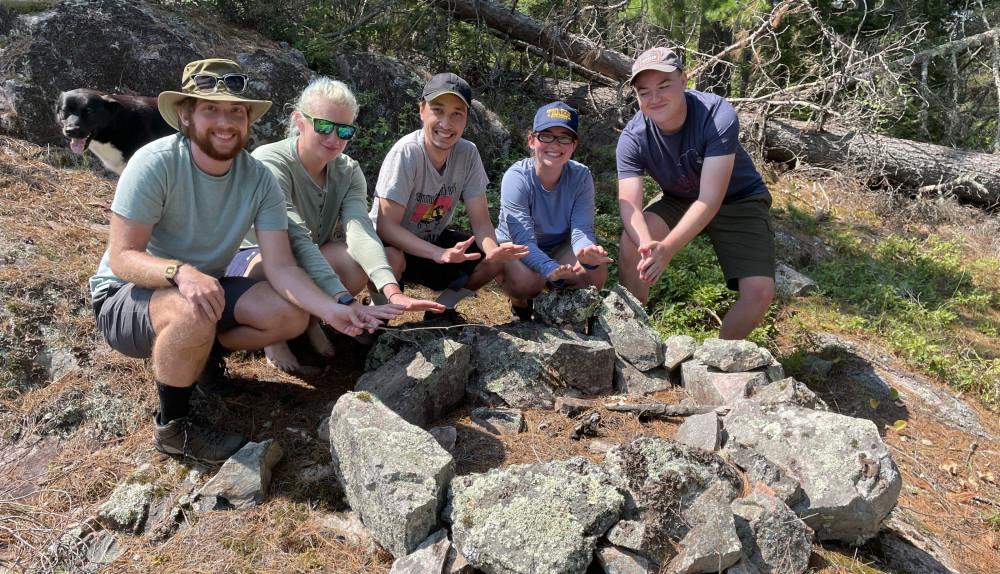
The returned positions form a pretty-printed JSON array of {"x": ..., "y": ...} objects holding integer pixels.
[
  {"x": 631, "y": 381},
  {"x": 759, "y": 469},
  {"x": 774, "y": 369},
  {"x": 533, "y": 518},
  {"x": 708, "y": 386},
  {"x": 243, "y": 480},
  {"x": 677, "y": 349},
  {"x": 661, "y": 479},
  {"x": 774, "y": 539},
  {"x": 790, "y": 283},
  {"x": 850, "y": 481},
  {"x": 700, "y": 431},
  {"x": 788, "y": 391},
  {"x": 622, "y": 320},
  {"x": 570, "y": 308},
  {"x": 712, "y": 544},
  {"x": 391, "y": 344},
  {"x": 531, "y": 367},
  {"x": 394, "y": 474},
  {"x": 732, "y": 356},
  {"x": 421, "y": 386}
]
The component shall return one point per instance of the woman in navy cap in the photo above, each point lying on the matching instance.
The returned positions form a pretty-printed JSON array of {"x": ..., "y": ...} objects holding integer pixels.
[{"x": 547, "y": 204}]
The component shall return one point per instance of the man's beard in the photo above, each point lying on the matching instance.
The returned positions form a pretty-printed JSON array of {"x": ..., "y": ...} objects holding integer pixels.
[{"x": 204, "y": 142}]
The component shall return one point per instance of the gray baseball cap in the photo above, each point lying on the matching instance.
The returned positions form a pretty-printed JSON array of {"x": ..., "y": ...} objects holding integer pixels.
[{"x": 659, "y": 58}]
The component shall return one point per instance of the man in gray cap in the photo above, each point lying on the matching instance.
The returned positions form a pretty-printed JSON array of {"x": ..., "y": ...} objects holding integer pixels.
[
  {"x": 422, "y": 179},
  {"x": 688, "y": 142},
  {"x": 181, "y": 208}
]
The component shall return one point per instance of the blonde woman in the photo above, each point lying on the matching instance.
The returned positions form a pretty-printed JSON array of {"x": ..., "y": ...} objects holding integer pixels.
[{"x": 324, "y": 187}]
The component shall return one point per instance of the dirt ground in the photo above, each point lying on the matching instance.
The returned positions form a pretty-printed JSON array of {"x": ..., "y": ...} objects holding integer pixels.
[{"x": 65, "y": 445}]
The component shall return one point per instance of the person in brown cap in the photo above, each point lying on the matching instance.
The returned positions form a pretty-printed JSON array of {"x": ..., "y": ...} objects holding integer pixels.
[
  {"x": 420, "y": 183},
  {"x": 688, "y": 142},
  {"x": 182, "y": 206}
]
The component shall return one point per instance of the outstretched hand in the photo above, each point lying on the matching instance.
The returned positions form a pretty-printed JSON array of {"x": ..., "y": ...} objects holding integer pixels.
[
  {"x": 505, "y": 252},
  {"x": 593, "y": 255},
  {"x": 565, "y": 271},
  {"x": 410, "y": 304},
  {"x": 457, "y": 253},
  {"x": 653, "y": 260}
]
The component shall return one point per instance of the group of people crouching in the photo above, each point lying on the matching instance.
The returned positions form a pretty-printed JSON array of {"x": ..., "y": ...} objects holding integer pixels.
[{"x": 213, "y": 249}]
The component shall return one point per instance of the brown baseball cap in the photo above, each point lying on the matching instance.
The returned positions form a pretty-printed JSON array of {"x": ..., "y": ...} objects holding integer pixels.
[
  {"x": 659, "y": 58},
  {"x": 214, "y": 79}
]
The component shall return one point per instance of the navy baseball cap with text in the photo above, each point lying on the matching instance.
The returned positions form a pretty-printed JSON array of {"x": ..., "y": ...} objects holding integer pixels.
[{"x": 556, "y": 114}]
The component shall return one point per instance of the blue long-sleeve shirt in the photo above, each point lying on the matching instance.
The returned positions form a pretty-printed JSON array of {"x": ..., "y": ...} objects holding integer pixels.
[{"x": 542, "y": 220}]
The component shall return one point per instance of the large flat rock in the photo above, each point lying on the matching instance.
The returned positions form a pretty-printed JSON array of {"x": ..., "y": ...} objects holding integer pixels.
[
  {"x": 533, "y": 519},
  {"x": 394, "y": 474},
  {"x": 849, "y": 480}
]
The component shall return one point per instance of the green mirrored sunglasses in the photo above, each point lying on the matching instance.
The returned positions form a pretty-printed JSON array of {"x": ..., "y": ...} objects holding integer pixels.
[{"x": 326, "y": 127}]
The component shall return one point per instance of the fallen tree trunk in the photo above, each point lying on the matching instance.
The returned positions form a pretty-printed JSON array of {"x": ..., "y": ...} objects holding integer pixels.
[{"x": 923, "y": 167}]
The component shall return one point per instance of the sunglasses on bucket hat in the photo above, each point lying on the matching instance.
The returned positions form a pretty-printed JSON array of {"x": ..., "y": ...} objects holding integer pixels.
[
  {"x": 209, "y": 82},
  {"x": 325, "y": 127}
]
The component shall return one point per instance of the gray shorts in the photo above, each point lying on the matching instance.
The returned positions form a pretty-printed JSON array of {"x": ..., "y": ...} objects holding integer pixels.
[{"x": 122, "y": 314}]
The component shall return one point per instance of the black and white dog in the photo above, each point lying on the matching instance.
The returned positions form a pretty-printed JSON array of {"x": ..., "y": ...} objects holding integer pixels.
[{"x": 110, "y": 125}]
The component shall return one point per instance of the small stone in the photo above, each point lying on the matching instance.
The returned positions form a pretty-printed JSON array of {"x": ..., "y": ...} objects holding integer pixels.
[
  {"x": 127, "y": 508},
  {"x": 498, "y": 421},
  {"x": 430, "y": 556},
  {"x": 620, "y": 561},
  {"x": 732, "y": 356},
  {"x": 599, "y": 446},
  {"x": 587, "y": 427},
  {"x": 700, "y": 431},
  {"x": 678, "y": 349},
  {"x": 572, "y": 407},
  {"x": 446, "y": 436},
  {"x": 242, "y": 481},
  {"x": 790, "y": 283},
  {"x": 347, "y": 526}
]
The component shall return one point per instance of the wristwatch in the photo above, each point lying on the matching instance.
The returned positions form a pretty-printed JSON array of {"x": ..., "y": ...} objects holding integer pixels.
[
  {"x": 170, "y": 273},
  {"x": 345, "y": 299}
]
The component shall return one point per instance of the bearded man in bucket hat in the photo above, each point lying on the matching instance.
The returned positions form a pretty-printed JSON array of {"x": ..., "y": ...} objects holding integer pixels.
[
  {"x": 688, "y": 142},
  {"x": 181, "y": 209}
]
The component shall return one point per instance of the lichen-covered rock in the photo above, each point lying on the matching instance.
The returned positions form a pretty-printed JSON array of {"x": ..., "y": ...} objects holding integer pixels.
[
  {"x": 774, "y": 369},
  {"x": 394, "y": 474},
  {"x": 774, "y": 539},
  {"x": 623, "y": 321},
  {"x": 788, "y": 391},
  {"x": 572, "y": 308},
  {"x": 732, "y": 356},
  {"x": 421, "y": 386},
  {"x": 533, "y": 518},
  {"x": 850, "y": 481},
  {"x": 445, "y": 435},
  {"x": 530, "y": 367},
  {"x": 662, "y": 479},
  {"x": 127, "y": 507},
  {"x": 710, "y": 387},
  {"x": 712, "y": 544},
  {"x": 391, "y": 344},
  {"x": 631, "y": 381},
  {"x": 242, "y": 481},
  {"x": 677, "y": 349},
  {"x": 700, "y": 431}
]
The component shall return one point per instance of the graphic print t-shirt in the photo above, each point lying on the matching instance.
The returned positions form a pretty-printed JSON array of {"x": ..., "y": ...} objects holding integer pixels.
[{"x": 408, "y": 178}]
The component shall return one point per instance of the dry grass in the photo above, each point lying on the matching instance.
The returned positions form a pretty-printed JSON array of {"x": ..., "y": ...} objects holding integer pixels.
[{"x": 56, "y": 469}]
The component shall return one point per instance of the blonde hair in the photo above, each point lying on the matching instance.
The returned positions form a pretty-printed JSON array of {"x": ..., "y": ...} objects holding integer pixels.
[{"x": 333, "y": 91}]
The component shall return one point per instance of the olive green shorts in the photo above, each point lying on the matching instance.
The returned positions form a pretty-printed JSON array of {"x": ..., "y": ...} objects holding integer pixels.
[{"x": 740, "y": 232}]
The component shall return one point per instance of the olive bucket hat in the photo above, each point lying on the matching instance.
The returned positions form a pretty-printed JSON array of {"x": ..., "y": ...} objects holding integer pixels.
[{"x": 216, "y": 80}]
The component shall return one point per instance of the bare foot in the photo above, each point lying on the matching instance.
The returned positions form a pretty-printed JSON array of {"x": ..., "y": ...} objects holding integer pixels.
[
  {"x": 317, "y": 338},
  {"x": 280, "y": 357}
]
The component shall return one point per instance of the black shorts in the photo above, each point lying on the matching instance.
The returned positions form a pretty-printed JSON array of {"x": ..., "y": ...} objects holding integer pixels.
[
  {"x": 440, "y": 276},
  {"x": 122, "y": 314}
]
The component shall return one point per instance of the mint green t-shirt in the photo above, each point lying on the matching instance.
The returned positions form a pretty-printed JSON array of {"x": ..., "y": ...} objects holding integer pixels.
[{"x": 197, "y": 218}]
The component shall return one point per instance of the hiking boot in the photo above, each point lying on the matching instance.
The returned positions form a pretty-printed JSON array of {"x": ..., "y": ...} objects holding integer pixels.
[
  {"x": 522, "y": 313},
  {"x": 181, "y": 437}
]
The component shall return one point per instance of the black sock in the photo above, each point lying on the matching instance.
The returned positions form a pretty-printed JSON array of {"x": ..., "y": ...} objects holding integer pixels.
[{"x": 175, "y": 402}]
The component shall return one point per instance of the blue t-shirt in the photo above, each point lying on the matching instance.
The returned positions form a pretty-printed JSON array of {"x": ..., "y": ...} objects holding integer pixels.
[
  {"x": 542, "y": 220},
  {"x": 675, "y": 160}
]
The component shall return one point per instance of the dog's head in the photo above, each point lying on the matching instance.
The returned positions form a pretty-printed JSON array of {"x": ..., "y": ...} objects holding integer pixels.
[{"x": 82, "y": 112}]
